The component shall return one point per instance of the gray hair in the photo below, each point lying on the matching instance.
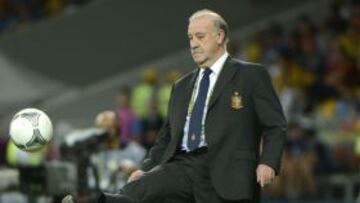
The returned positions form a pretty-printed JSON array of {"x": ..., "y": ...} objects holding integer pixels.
[{"x": 219, "y": 22}]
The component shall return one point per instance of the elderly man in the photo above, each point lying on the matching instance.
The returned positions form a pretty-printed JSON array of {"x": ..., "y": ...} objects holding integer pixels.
[{"x": 209, "y": 148}]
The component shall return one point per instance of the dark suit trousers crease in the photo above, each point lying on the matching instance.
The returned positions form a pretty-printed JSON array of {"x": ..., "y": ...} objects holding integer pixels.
[{"x": 184, "y": 179}]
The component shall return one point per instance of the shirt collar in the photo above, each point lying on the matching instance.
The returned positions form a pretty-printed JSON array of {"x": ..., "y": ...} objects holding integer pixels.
[{"x": 217, "y": 66}]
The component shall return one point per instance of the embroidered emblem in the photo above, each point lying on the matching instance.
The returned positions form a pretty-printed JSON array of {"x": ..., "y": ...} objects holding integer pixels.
[{"x": 236, "y": 101}]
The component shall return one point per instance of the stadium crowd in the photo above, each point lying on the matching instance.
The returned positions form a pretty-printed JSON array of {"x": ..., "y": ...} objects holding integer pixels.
[
  {"x": 315, "y": 69},
  {"x": 17, "y": 14}
]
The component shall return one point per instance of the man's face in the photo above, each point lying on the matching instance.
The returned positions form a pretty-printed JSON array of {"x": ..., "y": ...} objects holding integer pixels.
[{"x": 204, "y": 40}]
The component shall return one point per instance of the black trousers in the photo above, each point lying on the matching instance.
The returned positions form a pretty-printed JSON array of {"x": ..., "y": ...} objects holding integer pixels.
[{"x": 184, "y": 179}]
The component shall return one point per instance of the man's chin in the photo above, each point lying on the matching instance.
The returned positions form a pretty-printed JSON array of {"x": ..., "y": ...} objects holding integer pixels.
[{"x": 199, "y": 62}]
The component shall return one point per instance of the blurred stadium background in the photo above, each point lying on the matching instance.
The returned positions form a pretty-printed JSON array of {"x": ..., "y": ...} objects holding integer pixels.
[{"x": 109, "y": 65}]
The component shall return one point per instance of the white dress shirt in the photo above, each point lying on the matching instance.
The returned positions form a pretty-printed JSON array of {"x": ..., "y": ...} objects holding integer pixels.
[{"x": 216, "y": 69}]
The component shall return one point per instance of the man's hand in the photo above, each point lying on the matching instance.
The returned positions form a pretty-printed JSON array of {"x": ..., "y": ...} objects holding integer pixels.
[
  {"x": 68, "y": 199},
  {"x": 265, "y": 174},
  {"x": 135, "y": 175}
]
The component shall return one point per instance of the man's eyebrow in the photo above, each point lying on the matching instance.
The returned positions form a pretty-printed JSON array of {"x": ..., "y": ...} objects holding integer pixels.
[{"x": 196, "y": 33}]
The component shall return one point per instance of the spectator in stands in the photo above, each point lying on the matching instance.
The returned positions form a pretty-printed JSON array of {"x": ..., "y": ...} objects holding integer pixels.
[
  {"x": 157, "y": 110},
  {"x": 151, "y": 125},
  {"x": 130, "y": 124},
  {"x": 54, "y": 6},
  {"x": 31, "y": 169},
  {"x": 165, "y": 90},
  {"x": 145, "y": 93},
  {"x": 111, "y": 161},
  {"x": 107, "y": 120},
  {"x": 254, "y": 51}
]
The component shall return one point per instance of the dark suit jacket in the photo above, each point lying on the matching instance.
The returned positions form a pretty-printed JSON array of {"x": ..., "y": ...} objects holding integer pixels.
[{"x": 233, "y": 134}]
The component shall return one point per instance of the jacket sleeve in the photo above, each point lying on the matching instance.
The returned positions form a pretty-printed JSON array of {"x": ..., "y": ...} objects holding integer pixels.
[
  {"x": 270, "y": 114},
  {"x": 157, "y": 151}
]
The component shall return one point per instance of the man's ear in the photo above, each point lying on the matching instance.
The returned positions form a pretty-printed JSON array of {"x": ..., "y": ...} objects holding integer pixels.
[{"x": 221, "y": 37}]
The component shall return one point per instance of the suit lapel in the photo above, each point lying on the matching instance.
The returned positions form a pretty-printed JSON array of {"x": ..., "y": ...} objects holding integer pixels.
[
  {"x": 225, "y": 76},
  {"x": 185, "y": 98}
]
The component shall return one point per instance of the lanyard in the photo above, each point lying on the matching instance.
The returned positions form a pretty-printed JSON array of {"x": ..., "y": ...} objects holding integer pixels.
[{"x": 192, "y": 103}]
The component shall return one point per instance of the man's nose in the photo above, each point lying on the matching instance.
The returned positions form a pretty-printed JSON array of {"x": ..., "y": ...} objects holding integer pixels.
[{"x": 193, "y": 44}]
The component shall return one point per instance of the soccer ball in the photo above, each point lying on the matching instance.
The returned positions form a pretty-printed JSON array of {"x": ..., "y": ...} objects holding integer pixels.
[{"x": 30, "y": 129}]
